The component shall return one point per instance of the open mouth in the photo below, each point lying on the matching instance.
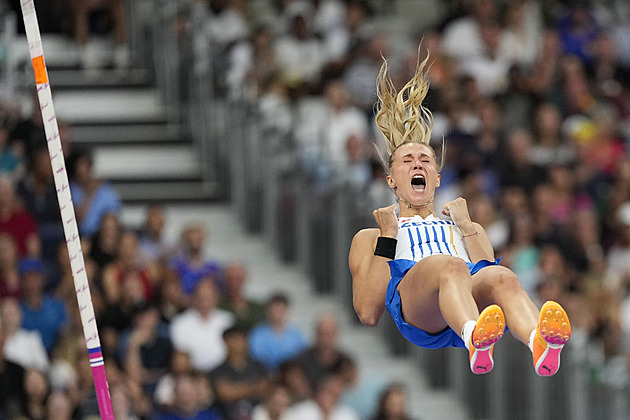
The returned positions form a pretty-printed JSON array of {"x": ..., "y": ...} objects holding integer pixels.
[{"x": 418, "y": 183}]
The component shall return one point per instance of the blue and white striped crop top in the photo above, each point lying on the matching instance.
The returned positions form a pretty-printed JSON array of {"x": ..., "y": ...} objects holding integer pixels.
[{"x": 419, "y": 238}]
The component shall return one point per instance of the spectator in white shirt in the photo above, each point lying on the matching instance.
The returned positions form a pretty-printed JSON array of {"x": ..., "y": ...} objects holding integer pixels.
[
  {"x": 22, "y": 347},
  {"x": 199, "y": 330}
]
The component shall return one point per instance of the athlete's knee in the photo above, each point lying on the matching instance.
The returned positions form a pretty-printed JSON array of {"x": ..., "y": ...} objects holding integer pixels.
[
  {"x": 505, "y": 281},
  {"x": 454, "y": 269}
]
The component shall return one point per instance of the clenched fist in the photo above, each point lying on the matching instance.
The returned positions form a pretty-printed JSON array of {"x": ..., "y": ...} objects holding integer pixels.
[{"x": 387, "y": 220}]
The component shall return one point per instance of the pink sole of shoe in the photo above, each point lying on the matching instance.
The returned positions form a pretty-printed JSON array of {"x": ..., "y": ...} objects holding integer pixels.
[
  {"x": 549, "y": 362},
  {"x": 481, "y": 362}
]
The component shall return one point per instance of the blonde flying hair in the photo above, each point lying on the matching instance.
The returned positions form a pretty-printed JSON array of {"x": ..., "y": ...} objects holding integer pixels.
[{"x": 400, "y": 116}]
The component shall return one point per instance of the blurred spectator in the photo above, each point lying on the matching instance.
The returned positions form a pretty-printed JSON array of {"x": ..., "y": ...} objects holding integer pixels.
[
  {"x": 362, "y": 389},
  {"x": 565, "y": 197},
  {"x": 12, "y": 391},
  {"x": 104, "y": 243},
  {"x": 240, "y": 382},
  {"x": 9, "y": 274},
  {"x": 21, "y": 346},
  {"x": 553, "y": 268},
  {"x": 179, "y": 365},
  {"x": 18, "y": 222},
  {"x": 547, "y": 224},
  {"x": 578, "y": 30},
  {"x": 550, "y": 147},
  {"x": 521, "y": 35},
  {"x": 92, "y": 197},
  {"x": 484, "y": 212},
  {"x": 117, "y": 316},
  {"x": 358, "y": 170},
  {"x": 225, "y": 22},
  {"x": 38, "y": 194},
  {"x": 128, "y": 266},
  {"x": 40, "y": 311},
  {"x": 153, "y": 245},
  {"x": 275, "y": 404},
  {"x": 393, "y": 404},
  {"x": 605, "y": 149},
  {"x": 490, "y": 68},
  {"x": 441, "y": 73},
  {"x": 345, "y": 36},
  {"x": 11, "y": 164},
  {"x": 252, "y": 64},
  {"x": 274, "y": 105},
  {"x": 101, "y": 17},
  {"x": 28, "y": 134},
  {"x": 325, "y": 404},
  {"x": 248, "y": 312},
  {"x": 618, "y": 257},
  {"x": 140, "y": 403},
  {"x": 64, "y": 367},
  {"x": 323, "y": 356},
  {"x": 361, "y": 71},
  {"x": 573, "y": 92},
  {"x": 521, "y": 253},
  {"x": 276, "y": 339},
  {"x": 462, "y": 37},
  {"x": 171, "y": 300},
  {"x": 517, "y": 169},
  {"x": 326, "y": 130},
  {"x": 489, "y": 139},
  {"x": 188, "y": 404},
  {"x": 122, "y": 403},
  {"x": 37, "y": 391},
  {"x": 198, "y": 330},
  {"x": 59, "y": 406},
  {"x": 192, "y": 266},
  {"x": 609, "y": 78},
  {"x": 291, "y": 375},
  {"x": 145, "y": 349},
  {"x": 300, "y": 54},
  {"x": 539, "y": 80}
]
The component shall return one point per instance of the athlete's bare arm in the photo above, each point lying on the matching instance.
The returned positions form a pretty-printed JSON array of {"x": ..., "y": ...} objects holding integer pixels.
[{"x": 370, "y": 275}]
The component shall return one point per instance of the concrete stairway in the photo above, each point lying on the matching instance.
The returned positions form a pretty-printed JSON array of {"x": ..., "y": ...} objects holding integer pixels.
[{"x": 122, "y": 118}]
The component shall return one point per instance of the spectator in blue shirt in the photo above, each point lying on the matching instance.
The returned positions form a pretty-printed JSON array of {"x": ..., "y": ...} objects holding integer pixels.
[
  {"x": 276, "y": 340},
  {"x": 191, "y": 265},
  {"x": 92, "y": 196},
  {"x": 40, "y": 311}
]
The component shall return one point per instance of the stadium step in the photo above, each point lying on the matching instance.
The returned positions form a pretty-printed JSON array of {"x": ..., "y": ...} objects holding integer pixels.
[{"x": 122, "y": 118}]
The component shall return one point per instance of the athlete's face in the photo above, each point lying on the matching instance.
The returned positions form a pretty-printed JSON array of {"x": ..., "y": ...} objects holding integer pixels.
[{"x": 414, "y": 173}]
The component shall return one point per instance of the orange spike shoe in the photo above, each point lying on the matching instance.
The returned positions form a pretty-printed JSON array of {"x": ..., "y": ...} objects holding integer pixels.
[
  {"x": 488, "y": 330},
  {"x": 552, "y": 333}
]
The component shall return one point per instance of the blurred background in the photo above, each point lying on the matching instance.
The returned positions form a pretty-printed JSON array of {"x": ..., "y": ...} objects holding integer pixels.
[{"x": 221, "y": 157}]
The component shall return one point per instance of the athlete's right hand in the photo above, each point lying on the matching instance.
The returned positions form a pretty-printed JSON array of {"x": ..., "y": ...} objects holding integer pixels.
[{"x": 387, "y": 220}]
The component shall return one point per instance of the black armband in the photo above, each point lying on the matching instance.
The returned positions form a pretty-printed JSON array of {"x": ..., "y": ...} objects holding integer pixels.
[{"x": 386, "y": 247}]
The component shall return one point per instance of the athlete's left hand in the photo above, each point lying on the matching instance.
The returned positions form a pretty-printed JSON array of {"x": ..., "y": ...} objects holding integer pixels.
[{"x": 458, "y": 211}]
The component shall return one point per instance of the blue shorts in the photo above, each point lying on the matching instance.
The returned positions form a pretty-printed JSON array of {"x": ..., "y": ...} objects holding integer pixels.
[{"x": 421, "y": 338}]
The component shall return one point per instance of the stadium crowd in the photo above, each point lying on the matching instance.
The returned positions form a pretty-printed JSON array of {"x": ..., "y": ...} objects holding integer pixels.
[{"x": 533, "y": 101}]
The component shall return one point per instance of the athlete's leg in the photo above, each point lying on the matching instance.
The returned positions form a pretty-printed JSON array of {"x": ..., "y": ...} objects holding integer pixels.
[
  {"x": 545, "y": 332},
  {"x": 437, "y": 292},
  {"x": 496, "y": 284}
]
